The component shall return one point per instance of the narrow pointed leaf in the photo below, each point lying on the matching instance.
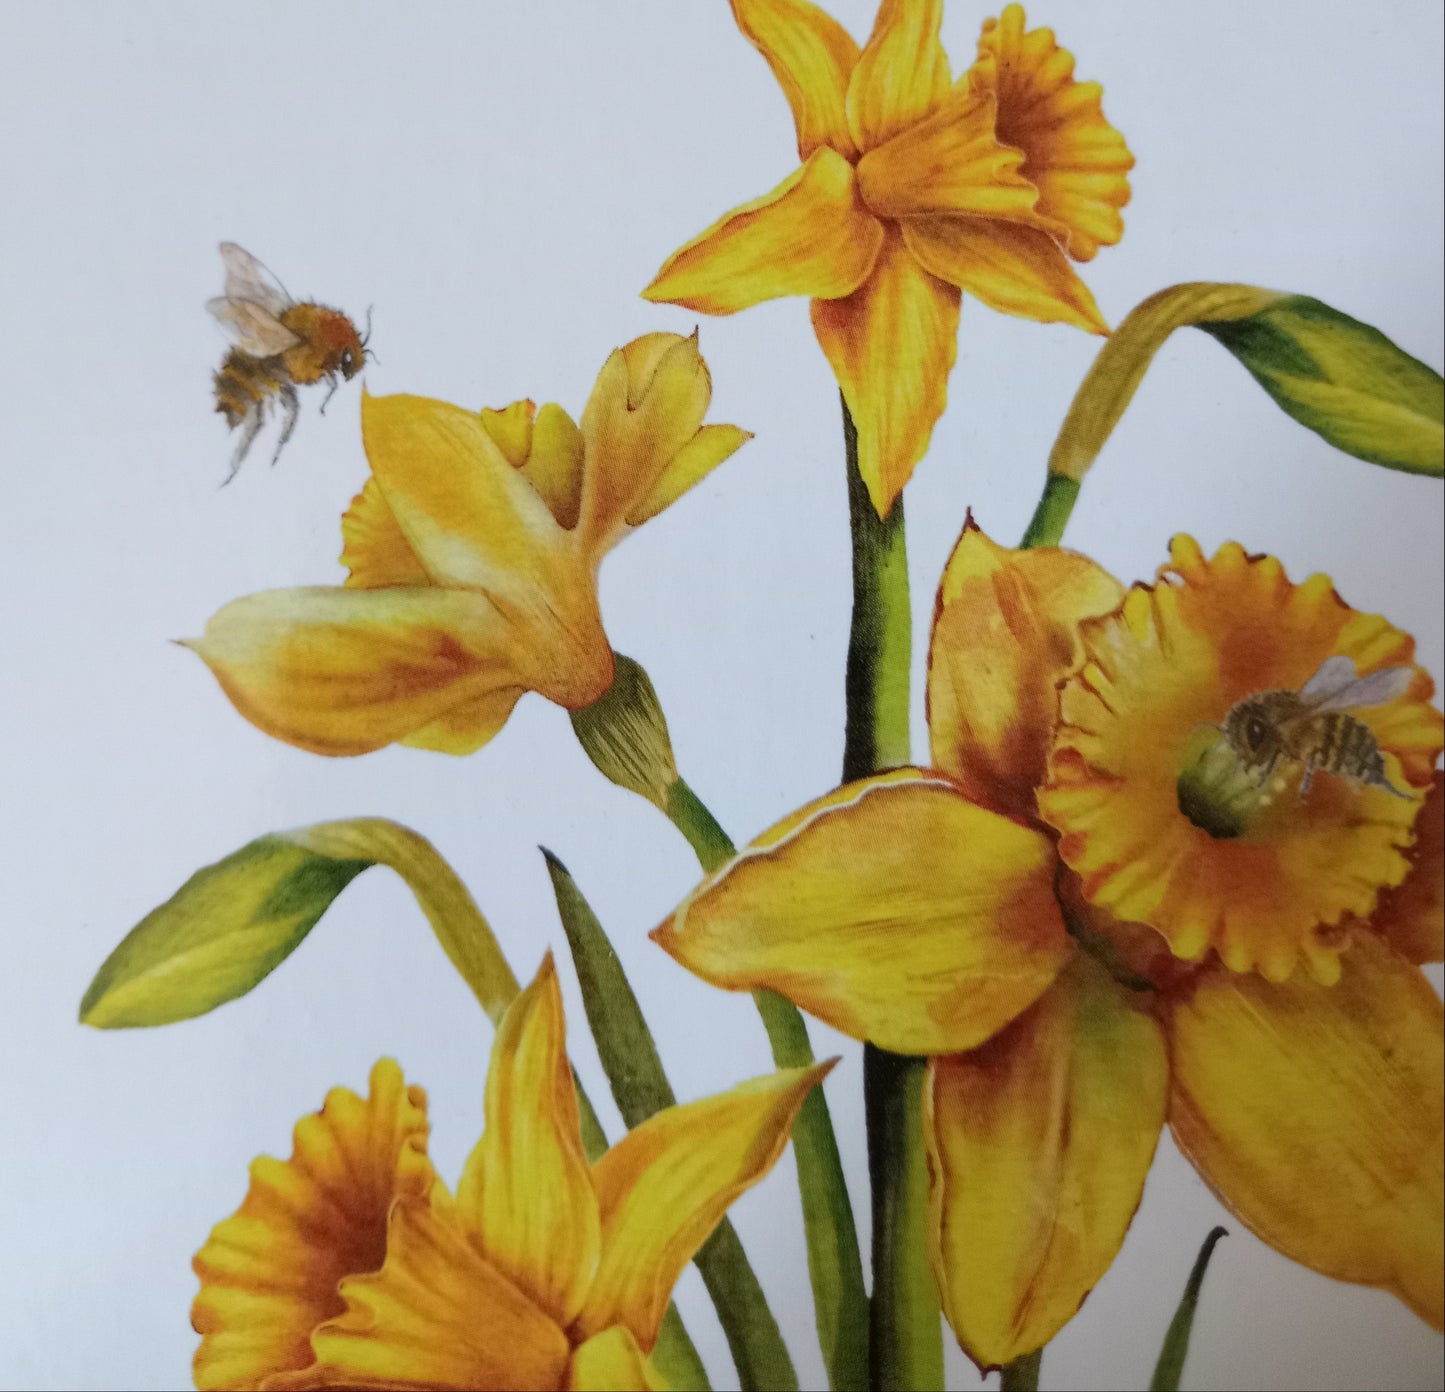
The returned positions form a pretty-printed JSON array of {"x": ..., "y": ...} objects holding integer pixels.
[
  {"x": 1170, "y": 1368},
  {"x": 640, "y": 1087}
]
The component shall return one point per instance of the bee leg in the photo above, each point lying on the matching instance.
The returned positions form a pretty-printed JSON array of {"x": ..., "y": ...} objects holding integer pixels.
[
  {"x": 292, "y": 405},
  {"x": 335, "y": 382},
  {"x": 1307, "y": 782},
  {"x": 250, "y": 428}
]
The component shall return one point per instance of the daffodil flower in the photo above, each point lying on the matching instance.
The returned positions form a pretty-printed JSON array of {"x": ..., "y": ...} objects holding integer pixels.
[
  {"x": 912, "y": 189},
  {"x": 1085, "y": 963},
  {"x": 473, "y": 552},
  {"x": 351, "y": 1265}
]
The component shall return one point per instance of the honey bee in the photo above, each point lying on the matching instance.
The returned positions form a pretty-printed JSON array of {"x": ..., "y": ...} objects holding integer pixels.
[
  {"x": 1313, "y": 726},
  {"x": 280, "y": 345}
]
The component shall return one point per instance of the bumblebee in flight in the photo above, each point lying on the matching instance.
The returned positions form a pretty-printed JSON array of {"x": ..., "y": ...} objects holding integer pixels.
[{"x": 280, "y": 344}]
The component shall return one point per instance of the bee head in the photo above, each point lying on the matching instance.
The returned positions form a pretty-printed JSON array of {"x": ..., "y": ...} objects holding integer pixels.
[{"x": 1251, "y": 734}]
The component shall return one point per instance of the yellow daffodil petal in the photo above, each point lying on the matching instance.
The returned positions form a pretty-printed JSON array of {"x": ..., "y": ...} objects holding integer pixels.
[
  {"x": 468, "y": 514},
  {"x": 892, "y": 344},
  {"x": 340, "y": 671},
  {"x": 1315, "y": 1113},
  {"x": 464, "y": 729},
  {"x": 612, "y": 1362},
  {"x": 904, "y": 915},
  {"x": 692, "y": 463},
  {"x": 1412, "y": 916},
  {"x": 901, "y": 73},
  {"x": 437, "y": 1315},
  {"x": 373, "y": 546},
  {"x": 554, "y": 465},
  {"x": 526, "y": 1194},
  {"x": 811, "y": 55},
  {"x": 1005, "y": 633},
  {"x": 1038, "y": 1145},
  {"x": 1012, "y": 268},
  {"x": 810, "y": 236},
  {"x": 665, "y": 1186},
  {"x": 1170, "y": 664},
  {"x": 269, "y": 1273},
  {"x": 952, "y": 163},
  {"x": 511, "y": 430},
  {"x": 1077, "y": 160},
  {"x": 643, "y": 437}
]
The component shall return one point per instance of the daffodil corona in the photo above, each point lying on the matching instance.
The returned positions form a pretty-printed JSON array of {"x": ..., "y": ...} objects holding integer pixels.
[
  {"x": 473, "y": 552},
  {"x": 914, "y": 188},
  {"x": 1086, "y": 963},
  {"x": 351, "y": 1265}
]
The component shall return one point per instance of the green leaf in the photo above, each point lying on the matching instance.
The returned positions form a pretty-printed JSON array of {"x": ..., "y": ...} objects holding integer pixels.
[
  {"x": 233, "y": 923},
  {"x": 640, "y": 1087},
  {"x": 1170, "y": 1368},
  {"x": 1345, "y": 381},
  {"x": 227, "y": 928}
]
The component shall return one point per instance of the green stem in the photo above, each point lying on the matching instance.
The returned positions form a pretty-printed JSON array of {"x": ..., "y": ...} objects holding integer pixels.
[
  {"x": 906, "y": 1343},
  {"x": 1022, "y": 1375},
  {"x": 1046, "y": 528},
  {"x": 835, "y": 1267},
  {"x": 880, "y": 643}
]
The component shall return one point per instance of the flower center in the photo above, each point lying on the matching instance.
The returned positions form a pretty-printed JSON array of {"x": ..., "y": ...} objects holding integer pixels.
[{"x": 1220, "y": 790}]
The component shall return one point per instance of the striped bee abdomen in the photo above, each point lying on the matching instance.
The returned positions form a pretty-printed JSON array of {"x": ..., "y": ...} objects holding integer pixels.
[{"x": 242, "y": 385}]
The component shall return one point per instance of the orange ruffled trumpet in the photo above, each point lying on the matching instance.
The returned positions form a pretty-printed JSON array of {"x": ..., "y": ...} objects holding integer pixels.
[
  {"x": 913, "y": 189},
  {"x": 351, "y": 1265},
  {"x": 473, "y": 552},
  {"x": 1085, "y": 964}
]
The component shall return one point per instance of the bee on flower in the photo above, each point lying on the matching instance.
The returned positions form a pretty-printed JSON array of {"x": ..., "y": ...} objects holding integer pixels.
[{"x": 1089, "y": 947}]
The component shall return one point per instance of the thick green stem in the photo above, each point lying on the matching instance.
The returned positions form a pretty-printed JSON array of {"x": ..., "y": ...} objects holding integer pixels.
[
  {"x": 906, "y": 1342},
  {"x": 835, "y": 1267},
  {"x": 1022, "y": 1375},
  {"x": 880, "y": 643},
  {"x": 1056, "y": 503}
]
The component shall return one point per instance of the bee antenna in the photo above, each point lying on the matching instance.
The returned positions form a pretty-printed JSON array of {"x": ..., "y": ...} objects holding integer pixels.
[{"x": 366, "y": 335}]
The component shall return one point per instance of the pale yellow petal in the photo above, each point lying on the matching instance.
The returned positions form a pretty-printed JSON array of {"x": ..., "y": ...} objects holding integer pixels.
[
  {"x": 811, "y": 55},
  {"x": 471, "y": 518},
  {"x": 437, "y": 1315},
  {"x": 374, "y": 549},
  {"x": 1315, "y": 1113},
  {"x": 892, "y": 344},
  {"x": 692, "y": 463},
  {"x": 665, "y": 1186},
  {"x": 900, "y": 75},
  {"x": 526, "y": 1194},
  {"x": 1005, "y": 633},
  {"x": 810, "y": 236},
  {"x": 1012, "y": 268},
  {"x": 511, "y": 430},
  {"x": 269, "y": 1273},
  {"x": 904, "y": 915},
  {"x": 466, "y": 728},
  {"x": 612, "y": 1362},
  {"x": 554, "y": 467},
  {"x": 952, "y": 163},
  {"x": 342, "y": 671},
  {"x": 1038, "y": 1145}
]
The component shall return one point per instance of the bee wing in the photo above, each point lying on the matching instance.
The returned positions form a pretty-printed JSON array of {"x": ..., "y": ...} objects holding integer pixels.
[
  {"x": 253, "y": 326},
  {"x": 1335, "y": 673},
  {"x": 247, "y": 279},
  {"x": 1379, "y": 688}
]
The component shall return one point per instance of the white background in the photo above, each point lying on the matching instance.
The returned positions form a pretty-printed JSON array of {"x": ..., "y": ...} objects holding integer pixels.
[{"x": 500, "y": 181}]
